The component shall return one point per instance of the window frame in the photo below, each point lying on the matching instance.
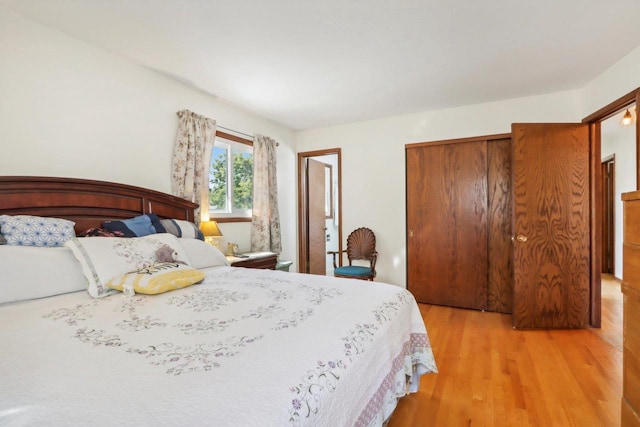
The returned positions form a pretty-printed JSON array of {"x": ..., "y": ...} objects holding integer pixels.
[{"x": 230, "y": 217}]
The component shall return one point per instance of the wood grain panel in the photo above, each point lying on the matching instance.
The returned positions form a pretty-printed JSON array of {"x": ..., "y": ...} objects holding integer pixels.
[
  {"x": 631, "y": 225},
  {"x": 631, "y": 265},
  {"x": 500, "y": 273},
  {"x": 631, "y": 357},
  {"x": 552, "y": 210},
  {"x": 629, "y": 417},
  {"x": 447, "y": 223},
  {"x": 631, "y": 293}
]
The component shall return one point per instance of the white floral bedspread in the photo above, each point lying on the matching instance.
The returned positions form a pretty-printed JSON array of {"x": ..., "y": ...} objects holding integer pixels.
[{"x": 246, "y": 348}]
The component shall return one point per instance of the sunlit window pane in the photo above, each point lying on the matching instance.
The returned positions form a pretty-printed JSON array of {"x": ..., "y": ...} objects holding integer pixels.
[
  {"x": 218, "y": 179},
  {"x": 242, "y": 180}
]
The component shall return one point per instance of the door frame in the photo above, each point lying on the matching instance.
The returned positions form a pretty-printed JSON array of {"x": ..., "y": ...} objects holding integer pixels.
[
  {"x": 303, "y": 231},
  {"x": 594, "y": 120}
]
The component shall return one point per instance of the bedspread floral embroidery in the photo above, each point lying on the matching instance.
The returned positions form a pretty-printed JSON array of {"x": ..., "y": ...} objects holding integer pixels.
[
  {"x": 264, "y": 312},
  {"x": 205, "y": 326},
  {"x": 316, "y": 295},
  {"x": 98, "y": 338},
  {"x": 323, "y": 377},
  {"x": 207, "y": 299},
  {"x": 296, "y": 318},
  {"x": 131, "y": 304},
  {"x": 72, "y": 316},
  {"x": 355, "y": 342},
  {"x": 387, "y": 310},
  {"x": 139, "y": 324},
  {"x": 278, "y": 295},
  {"x": 200, "y": 357}
]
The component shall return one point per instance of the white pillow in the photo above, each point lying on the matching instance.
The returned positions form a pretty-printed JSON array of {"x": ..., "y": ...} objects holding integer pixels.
[
  {"x": 104, "y": 258},
  {"x": 202, "y": 254},
  {"x": 30, "y": 272}
]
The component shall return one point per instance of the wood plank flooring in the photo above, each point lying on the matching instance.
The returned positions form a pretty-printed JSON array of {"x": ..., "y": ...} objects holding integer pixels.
[{"x": 493, "y": 375}]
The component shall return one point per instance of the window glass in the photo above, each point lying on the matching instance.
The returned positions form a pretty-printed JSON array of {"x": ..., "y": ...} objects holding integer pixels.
[{"x": 231, "y": 179}]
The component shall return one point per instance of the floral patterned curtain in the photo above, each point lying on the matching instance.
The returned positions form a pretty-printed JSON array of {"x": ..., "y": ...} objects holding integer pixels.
[
  {"x": 191, "y": 154},
  {"x": 265, "y": 224}
]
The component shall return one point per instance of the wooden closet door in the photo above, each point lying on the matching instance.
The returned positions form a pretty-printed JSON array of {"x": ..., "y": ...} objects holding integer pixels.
[
  {"x": 499, "y": 249},
  {"x": 551, "y": 207},
  {"x": 447, "y": 224}
]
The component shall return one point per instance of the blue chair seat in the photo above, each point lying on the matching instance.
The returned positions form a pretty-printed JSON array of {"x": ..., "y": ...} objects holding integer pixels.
[{"x": 353, "y": 270}]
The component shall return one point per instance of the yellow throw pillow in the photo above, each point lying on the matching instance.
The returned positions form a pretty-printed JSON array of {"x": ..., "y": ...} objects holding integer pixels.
[{"x": 156, "y": 279}]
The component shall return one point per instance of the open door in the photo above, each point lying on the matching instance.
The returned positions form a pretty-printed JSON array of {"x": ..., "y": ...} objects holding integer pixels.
[
  {"x": 551, "y": 225},
  {"x": 316, "y": 217},
  {"x": 312, "y": 225}
]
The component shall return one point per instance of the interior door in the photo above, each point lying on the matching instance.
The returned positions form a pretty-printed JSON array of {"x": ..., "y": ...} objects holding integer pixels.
[
  {"x": 551, "y": 225},
  {"x": 317, "y": 252},
  {"x": 447, "y": 224}
]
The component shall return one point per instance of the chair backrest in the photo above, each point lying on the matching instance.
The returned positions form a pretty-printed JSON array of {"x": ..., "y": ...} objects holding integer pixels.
[{"x": 361, "y": 244}]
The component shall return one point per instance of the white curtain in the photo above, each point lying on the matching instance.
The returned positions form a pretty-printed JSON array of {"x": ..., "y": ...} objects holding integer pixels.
[
  {"x": 191, "y": 157},
  {"x": 265, "y": 224}
]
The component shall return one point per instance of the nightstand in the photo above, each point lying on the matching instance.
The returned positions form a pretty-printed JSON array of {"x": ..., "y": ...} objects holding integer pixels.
[{"x": 264, "y": 260}]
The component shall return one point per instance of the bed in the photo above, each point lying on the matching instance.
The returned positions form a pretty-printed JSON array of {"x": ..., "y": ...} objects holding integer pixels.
[{"x": 244, "y": 347}]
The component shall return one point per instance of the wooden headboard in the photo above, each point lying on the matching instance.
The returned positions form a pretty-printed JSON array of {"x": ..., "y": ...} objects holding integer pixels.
[{"x": 86, "y": 202}]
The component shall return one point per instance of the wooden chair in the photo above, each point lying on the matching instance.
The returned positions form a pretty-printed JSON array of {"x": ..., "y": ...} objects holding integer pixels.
[{"x": 361, "y": 245}]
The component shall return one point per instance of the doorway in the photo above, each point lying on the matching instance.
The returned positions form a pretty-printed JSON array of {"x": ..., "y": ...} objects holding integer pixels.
[
  {"x": 598, "y": 122},
  {"x": 319, "y": 209},
  {"x": 608, "y": 214},
  {"x": 619, "y": 154}
]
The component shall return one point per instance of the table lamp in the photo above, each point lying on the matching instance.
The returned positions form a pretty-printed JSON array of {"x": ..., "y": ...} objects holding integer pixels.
[{"x": 211, "y": 232}]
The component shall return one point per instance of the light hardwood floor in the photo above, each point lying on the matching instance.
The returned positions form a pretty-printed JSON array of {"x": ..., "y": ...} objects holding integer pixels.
[{"x": 493, "y": 375}]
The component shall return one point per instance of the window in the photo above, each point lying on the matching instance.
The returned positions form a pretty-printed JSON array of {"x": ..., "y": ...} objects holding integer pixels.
[{"x": 231, "y": 177}]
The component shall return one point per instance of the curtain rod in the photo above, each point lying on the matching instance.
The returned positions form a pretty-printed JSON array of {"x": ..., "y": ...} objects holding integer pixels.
[
  {"x": 241, "y": 133},
  {"x": 235, "y": 131}
]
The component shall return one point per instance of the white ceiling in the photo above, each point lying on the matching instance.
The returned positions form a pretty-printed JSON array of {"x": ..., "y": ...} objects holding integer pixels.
[{"x": 308, "y": 64}]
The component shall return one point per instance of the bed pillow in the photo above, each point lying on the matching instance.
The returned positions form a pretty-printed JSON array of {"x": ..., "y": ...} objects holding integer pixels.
[
  {"x": 156, "y": 279},
  {"x": 203, "y": 255},
  {"x": 28, "y": 272},
  {"x": 27, "y": 230},
  {"x": 103, "y": 258},
  {"x": 178, "y": 228},
  {"x": 138, "y": 226}
]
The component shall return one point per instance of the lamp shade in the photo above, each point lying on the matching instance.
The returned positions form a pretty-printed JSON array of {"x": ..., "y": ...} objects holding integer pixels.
[{"x": 210, "y": 229}]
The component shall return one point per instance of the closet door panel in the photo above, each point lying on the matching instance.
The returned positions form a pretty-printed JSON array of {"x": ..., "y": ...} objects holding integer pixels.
[
  {"x": 500, "y": 275},
  {"x": 447, "y": 224}
]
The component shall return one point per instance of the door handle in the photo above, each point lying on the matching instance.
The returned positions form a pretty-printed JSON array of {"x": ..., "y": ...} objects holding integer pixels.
[{"x": 522, "y": 238}]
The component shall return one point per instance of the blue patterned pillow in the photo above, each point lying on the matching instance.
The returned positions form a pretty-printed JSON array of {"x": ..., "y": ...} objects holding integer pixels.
[{"x": 27, "y": 230}]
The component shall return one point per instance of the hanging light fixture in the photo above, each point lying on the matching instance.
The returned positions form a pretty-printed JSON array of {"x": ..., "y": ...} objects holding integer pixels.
[{"x": 627, "y": 119}]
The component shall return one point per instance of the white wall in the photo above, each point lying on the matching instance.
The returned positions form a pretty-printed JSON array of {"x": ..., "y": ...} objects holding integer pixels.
[
  {"x": 618, "y": 80},
  {"x": 70, "y": 109},
  {"x": 621, "y": 142}
]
